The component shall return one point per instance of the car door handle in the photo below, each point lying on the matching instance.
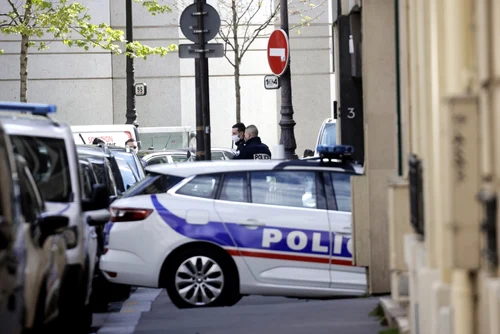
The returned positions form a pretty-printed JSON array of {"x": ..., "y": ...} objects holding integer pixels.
[
  {"x": 344, "y": 231},
  {"x": 252, "y": 223}
]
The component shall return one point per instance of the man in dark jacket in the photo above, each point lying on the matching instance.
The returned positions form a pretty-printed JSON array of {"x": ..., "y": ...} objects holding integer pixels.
[
  {"x": 238, "y": 135},
  {"x": 253, "y": 148}
]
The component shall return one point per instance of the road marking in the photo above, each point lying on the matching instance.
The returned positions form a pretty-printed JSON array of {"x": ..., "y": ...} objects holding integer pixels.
[{"x": 125, "y": 321}]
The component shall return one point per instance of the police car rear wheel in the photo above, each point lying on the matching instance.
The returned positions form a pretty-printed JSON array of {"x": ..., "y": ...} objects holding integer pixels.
[{"x": 200, "y": 279}]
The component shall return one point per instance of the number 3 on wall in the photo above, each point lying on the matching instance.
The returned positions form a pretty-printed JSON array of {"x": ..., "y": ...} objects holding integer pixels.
[{"x": 351, "y": 114}]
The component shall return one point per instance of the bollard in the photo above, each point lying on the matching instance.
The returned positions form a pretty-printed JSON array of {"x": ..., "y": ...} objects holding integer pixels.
[{"x": 278, "y": 152}]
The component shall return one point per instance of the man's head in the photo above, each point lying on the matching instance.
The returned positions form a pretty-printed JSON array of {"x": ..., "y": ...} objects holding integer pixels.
[
  {"x": 98, "y": 141},
  {"x": 131, "y": 143},
  {"x": 238, "y": 132},
  {"x": 251, "y": 131}
]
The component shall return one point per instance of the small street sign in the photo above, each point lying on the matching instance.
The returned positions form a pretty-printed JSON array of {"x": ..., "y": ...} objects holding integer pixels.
[
  {"x": 141, "y": 89},
  {"x": 211, "y": 50},
  {"x": 189, "y": 22},
  {"x": 278, "y": 52},
  {"x": 271, "y": 82}
]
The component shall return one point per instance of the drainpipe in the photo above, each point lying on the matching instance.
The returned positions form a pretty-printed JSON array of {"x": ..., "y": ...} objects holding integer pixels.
[{"x": 398, "y": 90}]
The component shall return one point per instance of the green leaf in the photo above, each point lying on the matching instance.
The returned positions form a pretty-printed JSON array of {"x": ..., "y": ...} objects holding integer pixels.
[
  {"x": 154, "y": 7},
  {"x": 70, "y": 22}
]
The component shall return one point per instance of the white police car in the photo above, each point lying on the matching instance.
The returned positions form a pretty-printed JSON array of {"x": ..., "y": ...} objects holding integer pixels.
[{"x": 210, "y": 232}]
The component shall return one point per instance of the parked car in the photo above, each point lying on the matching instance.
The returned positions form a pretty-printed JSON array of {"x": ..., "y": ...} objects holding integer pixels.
[
  {"x": 327, "y": 135},
  {"x": 12, "y": 250},
  {"x": 50, "y": 152},
  {"x": 163, "y": 156},
  {"x": 46, "y": 258},
  {"x": 131, "y": 158},
  {"x": 182, "y": 155},
  {"x": 105, "y": 167},
  {"x": 217, "y": 154},
  {"x": 115, "y": 173},
  {"x": 210, "y": 232},
  {"x": 94, "y": 222}
]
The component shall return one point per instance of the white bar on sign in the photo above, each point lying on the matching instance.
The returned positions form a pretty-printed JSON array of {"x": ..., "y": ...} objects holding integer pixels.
[{"x": 277, "y": 53}]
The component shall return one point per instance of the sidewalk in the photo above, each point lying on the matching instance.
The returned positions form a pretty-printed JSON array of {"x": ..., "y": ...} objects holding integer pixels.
[{"x": 263, "y": 315}]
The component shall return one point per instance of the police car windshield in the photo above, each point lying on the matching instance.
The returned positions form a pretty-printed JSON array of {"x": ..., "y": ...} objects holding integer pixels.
[{"x": 329, "y": 135}]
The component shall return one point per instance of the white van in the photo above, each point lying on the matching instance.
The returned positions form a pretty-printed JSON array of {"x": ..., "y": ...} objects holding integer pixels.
[
  {"x": 165, "y": 137},
  {"x": 152, "y": 138},
  {"x": 115, "y": 134},
  {"x": 48, "y": 148}
]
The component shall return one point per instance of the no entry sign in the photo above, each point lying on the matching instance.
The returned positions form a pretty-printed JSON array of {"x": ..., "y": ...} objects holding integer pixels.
[{"x": 278, "y": 52}]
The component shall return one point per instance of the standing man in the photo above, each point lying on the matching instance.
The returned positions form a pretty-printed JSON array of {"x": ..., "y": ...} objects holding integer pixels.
[
  {"x": 238, "y": 135},
  {"x": 131, "y": 144},
  {"x": 253, "y": 148}
]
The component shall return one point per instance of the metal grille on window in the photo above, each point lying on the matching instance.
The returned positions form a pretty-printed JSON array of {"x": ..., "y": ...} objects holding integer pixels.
[
  {"x": 489, "y": 226},
  {"x": 416, "y": 194}
]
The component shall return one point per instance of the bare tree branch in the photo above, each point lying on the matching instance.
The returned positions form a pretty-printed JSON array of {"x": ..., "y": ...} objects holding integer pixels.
[
  {"x": 14, "y": 9},
  {"x": 257, "y": 32},
  {"x": 225, "y": 54},
  {"x": 225, "y": 37},
  {"x": 248, "y": 26},
  {"x": 229, "y": 60},
  {"x": 246, "y": 11}
]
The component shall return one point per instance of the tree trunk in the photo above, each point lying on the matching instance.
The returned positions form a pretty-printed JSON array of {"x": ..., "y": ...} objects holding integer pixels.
[
  {"x": 23, "y": 96},
  {"x": 23, "y": 61},
  {"x": 237, "y": 62},
  {"x": 237, "y": 89}
]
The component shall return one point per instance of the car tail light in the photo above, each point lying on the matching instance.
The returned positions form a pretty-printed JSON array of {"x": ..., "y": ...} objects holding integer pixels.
[{"x": 128, "y": 214}]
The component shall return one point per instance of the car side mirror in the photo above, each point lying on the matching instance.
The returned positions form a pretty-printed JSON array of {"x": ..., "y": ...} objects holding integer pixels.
[
  {"x": 98, "y": 217},
  {"x": 6, "y": 237},
  {"x": 112, "y": 199},
  {"x": 51, "y": 225},
  {"x": 98, "y": 200}
]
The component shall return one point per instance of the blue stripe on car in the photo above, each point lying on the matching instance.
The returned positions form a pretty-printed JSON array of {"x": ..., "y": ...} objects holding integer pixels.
[{"x": 233, "y": 234}]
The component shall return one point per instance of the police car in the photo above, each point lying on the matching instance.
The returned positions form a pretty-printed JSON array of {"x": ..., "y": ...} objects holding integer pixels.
[{"x": 210, "y": 232}]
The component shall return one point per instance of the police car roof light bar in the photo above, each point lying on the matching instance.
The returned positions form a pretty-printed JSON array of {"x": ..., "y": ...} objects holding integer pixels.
[
  {"x": 338, "y": 152},
  {"x": 33, "y": 108}
]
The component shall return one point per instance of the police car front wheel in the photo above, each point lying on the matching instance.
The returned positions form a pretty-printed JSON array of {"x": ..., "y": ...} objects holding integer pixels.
[{"x": 200, "y": 279}]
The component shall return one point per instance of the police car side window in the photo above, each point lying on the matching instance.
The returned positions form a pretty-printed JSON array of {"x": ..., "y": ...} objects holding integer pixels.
[
  {"x": 342, "y": 188},
  {"x": 284, "y": 188},
  {"x": 204, "y": 186},
  {"x": 48, "y": 162},
  {"x": 234, "y": 188}
]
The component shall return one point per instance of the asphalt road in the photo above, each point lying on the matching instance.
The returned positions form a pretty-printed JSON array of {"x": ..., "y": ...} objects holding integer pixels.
[{"x": 150, "y": 311}]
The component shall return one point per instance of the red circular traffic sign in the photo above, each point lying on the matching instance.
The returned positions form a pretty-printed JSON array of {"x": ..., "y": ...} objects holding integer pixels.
[{"x": 278, "y": 52}]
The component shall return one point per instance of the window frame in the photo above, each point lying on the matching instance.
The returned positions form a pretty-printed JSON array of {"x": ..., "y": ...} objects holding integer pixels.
[
  {"x": 188, "y": 180},
  {"x": 330, "y": 185},
  {"x": 28, "y": 185},
  {"x": 221, "y": 185}
]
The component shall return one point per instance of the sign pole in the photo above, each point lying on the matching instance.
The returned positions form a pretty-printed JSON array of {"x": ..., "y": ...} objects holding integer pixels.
[
  {"x": 200, "y": 23},
  {"x": 131, "y": 113},
  {"x": 204, "y": 80},
  {"x": 286, "y": 123},
  {"x": 200, "y": 138}
]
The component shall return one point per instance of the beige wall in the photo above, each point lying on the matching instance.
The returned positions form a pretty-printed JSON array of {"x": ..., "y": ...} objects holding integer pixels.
[{"x": 379, "y": 90}]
